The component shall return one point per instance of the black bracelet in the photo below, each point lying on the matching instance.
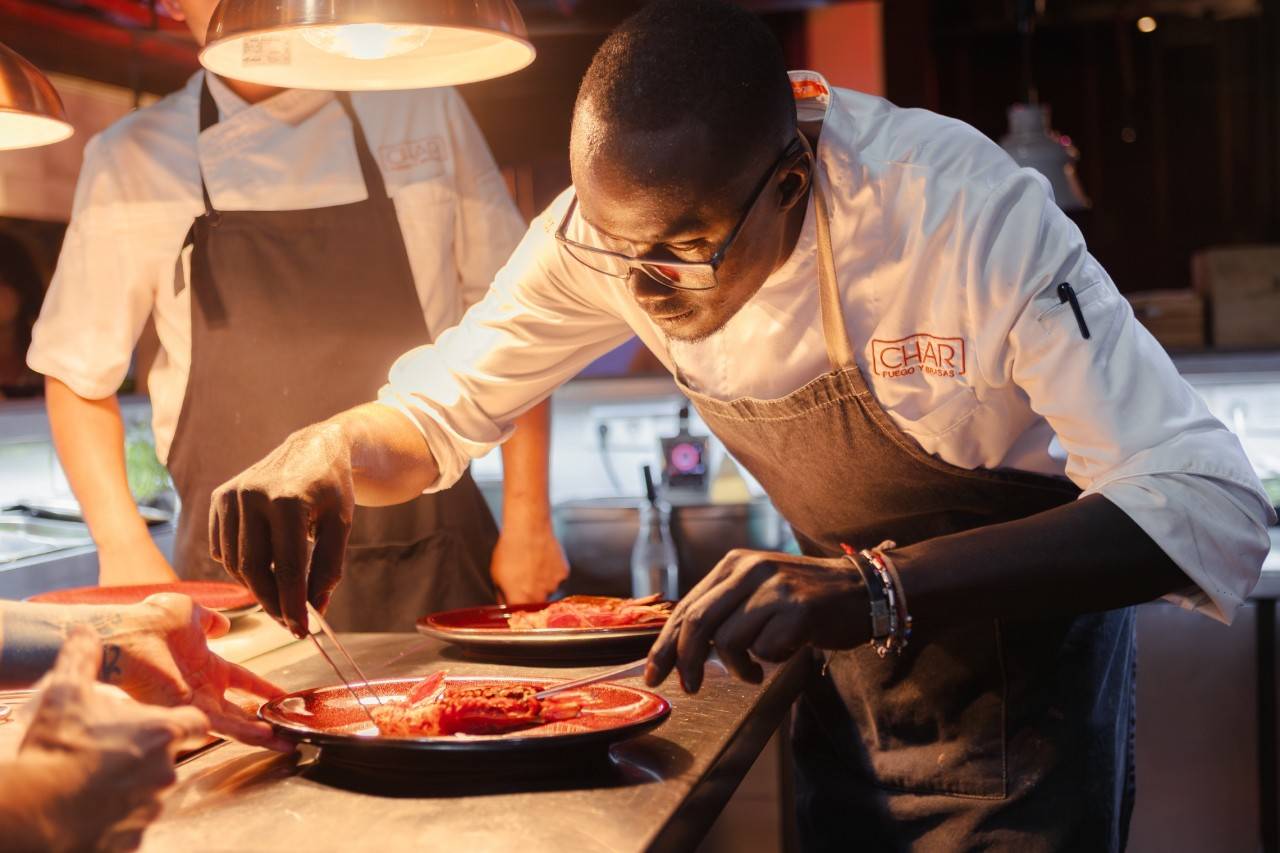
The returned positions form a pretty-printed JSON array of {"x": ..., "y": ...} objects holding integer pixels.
[
  {"x": 888, "y": 574},
  {"x": 882, "y": 615}
]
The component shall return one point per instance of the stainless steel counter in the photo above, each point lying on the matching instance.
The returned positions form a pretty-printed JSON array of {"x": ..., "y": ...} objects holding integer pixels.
[
  {"x": 662, "y": 791},
  {"x": 69, "y": 567}
]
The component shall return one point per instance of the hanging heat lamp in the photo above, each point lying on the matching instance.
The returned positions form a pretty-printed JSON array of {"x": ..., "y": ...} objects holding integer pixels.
[
  {"x": 1031, "y": 141},
  {"x": 31, "y": 112},
  {"x": 365, "y": 44}
]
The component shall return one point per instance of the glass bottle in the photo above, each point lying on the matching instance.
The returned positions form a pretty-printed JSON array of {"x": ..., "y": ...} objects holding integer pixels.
[{"x": 653, "y": 559}]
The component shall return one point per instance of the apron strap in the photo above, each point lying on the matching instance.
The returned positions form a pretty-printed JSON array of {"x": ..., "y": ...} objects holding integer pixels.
[
  {"x": 839, "y": 350},
  {"x": 208, "y": 118},
  {"x": 374, "y": 186}
]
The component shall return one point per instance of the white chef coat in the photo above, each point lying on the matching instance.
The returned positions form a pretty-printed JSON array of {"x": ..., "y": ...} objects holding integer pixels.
[
  {"x": 139, "y": 190},
  {"x": 948, "y": 257}
]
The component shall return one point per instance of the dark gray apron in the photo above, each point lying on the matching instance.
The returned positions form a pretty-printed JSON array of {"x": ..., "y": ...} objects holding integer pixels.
[
  {"x": 295, "y": 316},
  {"x": 985, "y": 735}
]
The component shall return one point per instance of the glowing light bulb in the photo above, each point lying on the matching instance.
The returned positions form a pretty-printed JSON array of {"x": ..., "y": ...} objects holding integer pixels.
[
  {"x": 1147, "y": 24},
  {"x": 367, "y": 41},
  {"x": 23, "y": 130}
]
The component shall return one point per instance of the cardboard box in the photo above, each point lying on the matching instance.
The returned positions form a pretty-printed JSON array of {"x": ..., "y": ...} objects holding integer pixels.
[
  {"x": 1242, "y": 287},
  {"x": 1175, "y": 318}
]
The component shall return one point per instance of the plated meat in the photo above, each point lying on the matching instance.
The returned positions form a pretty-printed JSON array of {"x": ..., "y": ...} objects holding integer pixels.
[
  {"x": 593, "y": 611},
  {"x": 438, "y": 707}
]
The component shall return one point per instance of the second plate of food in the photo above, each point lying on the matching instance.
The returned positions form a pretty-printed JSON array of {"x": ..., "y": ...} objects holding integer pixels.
[{"x": 581, "y": 626}]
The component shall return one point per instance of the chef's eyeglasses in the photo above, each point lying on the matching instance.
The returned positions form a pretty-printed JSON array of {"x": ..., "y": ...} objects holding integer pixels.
[{"x": 671, "y": 271}]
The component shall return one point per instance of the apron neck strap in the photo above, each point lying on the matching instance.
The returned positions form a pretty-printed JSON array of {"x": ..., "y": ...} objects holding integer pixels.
[
  {"x": 374, "y": 185},
  {"x": 839, "y": 350},
  {"x": 208, "y": 118}
]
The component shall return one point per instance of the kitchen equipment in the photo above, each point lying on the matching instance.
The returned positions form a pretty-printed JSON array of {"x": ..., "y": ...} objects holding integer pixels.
[
  {"x": 69, "y": 510},
  {"x": 347, "y": 684},
  {"x": 598, "y": 536},
  {"x": 684, "y": 459},
  {"x": 625, "y": 671},
  {"x": 22, "y": 536},
  {"x": 333, "y": 638},
  {"x": 484, "y": 631},
  {"x": 328, "y": 717},
  {"x": 1032, "y": 142},
  {"x": 653, "y": 557},
  {"x": 31, "y": 112},
  {"x": 365, "y": 44}
]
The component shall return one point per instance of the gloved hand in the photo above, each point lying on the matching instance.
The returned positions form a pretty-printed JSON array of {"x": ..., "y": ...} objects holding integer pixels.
[
  {"x": 261, "y": 521},
  {"x": 764, "y": 604}
]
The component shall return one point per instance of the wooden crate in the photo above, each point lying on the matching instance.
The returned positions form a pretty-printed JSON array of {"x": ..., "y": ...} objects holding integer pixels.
[
  {"x": 1242, "y": 286},
  {"x": 1174, "y": 317}
]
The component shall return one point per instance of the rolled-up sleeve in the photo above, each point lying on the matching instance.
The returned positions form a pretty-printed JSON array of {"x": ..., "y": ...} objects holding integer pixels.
[
  {"x": 100, "y": 297},
  {"x": 1133, "y": 430},
  {"x": 540, "y": 323}
]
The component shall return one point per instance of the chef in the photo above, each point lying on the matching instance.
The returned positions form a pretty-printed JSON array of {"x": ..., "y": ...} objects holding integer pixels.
[
  {"x": 985, "y": 458},
  {"x": 289, "y": 245}
]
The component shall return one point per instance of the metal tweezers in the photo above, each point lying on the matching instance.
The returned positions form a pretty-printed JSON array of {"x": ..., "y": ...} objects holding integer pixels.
[{"x": 333, "y": 638}]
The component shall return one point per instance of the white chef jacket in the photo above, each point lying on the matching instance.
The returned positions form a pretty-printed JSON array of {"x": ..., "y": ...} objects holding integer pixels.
[
  {"x": 948, "y": 257},
  {"x": 139, "y": 190}
]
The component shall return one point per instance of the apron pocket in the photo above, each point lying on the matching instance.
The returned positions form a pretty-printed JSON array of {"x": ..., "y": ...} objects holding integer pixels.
[{"x": 932, "y": 721}]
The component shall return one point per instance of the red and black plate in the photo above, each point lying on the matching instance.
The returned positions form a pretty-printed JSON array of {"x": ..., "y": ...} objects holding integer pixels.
[
  {"x": 230, "y": 599},
  {"x": 330, "y": 718},
  {"x": 485, "y": 631}
]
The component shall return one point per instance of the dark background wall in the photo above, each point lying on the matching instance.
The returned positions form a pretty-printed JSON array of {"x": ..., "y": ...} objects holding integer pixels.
[{"x": 1177, "y": 128}]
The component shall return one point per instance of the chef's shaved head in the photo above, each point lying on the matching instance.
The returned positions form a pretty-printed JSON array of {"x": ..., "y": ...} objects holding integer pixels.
[
  {"x": 704, "y": 66},
  {"x": 684, "y": 134}
]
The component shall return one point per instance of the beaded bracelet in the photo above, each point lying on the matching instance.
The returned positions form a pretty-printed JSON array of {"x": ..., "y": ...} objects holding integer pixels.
[{"x": 883, "y": 614}]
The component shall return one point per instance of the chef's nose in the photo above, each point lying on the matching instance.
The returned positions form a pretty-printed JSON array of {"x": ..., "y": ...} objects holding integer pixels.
[{"x": 646, "y": 289}]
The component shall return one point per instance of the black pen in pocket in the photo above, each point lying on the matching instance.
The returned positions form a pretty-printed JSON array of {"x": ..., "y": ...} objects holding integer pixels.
[{"x": 1066, "y": 293}]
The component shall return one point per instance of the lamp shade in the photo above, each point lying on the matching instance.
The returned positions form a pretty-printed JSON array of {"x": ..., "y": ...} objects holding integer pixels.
[
  {"x": 31, "y": 112},
  {"x": 365, "y": 44},
  {"x": 1031, "y": 142}
]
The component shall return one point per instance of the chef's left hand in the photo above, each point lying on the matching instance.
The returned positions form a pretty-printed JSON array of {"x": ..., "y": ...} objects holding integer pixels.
[
  {"x": 765, "y": 604},
  {"x": 528, "y": 564}
]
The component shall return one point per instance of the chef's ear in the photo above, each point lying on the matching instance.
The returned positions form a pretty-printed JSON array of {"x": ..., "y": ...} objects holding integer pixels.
[{"x": 174, "y": 9}]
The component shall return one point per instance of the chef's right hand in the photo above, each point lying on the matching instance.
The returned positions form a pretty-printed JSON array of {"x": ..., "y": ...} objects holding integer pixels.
[
  {"x": 93, "y": 763},
  {"x": 262, "y": 523}
]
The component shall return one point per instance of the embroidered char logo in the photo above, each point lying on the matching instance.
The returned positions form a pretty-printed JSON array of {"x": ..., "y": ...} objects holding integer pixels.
[
  {"x": 406, "y": 155},
  {"x": 918, "y": 353}
]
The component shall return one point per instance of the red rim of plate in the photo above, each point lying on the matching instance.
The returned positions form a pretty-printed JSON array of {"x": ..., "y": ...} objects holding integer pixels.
[{"x": 215, "y": 595}]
